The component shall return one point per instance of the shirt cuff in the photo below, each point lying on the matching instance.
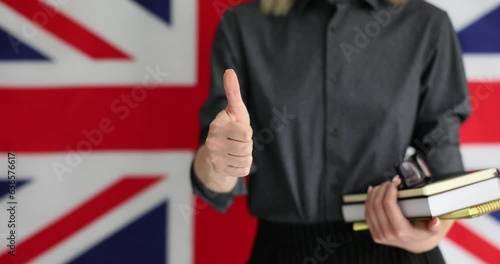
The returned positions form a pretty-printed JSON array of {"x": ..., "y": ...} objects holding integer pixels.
[
  {"x": 444, "y": 160},
  {"x": 219, "y": 201}
]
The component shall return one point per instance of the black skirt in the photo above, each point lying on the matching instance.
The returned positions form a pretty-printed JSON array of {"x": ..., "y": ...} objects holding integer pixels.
[{"x": 335, "y": 242}]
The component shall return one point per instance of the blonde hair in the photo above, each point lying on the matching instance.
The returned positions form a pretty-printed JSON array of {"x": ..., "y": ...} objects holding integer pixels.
[
  {"x": 276, "y": 7},
  {"x": 282, "y": 7}
]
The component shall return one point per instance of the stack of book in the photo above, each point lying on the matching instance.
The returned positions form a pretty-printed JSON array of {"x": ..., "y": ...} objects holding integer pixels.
[{"x": 448, "y": 197}]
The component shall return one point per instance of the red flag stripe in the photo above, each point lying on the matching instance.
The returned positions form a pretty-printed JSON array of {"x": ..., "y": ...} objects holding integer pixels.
[
  {"x": 481, "y": 127},
  {"x": 59, "y": 25},
  {"x": 473, "y": 243},
  {"x": 46, "y": 111},
  {"x": 81, "y": 216},
  {"x": 159, "y": 121}
]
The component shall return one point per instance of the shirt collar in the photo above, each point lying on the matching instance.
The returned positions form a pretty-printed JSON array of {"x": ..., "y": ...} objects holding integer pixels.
[{"x": 302, "y": 4}]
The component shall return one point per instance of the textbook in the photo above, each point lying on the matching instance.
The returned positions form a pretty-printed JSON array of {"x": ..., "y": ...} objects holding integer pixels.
[
  {"x": 447, "y": 195},
  {"x": 442, "y": 184},
  {"x": 469, "y": 212},
  {"x": 438, "y": 204}
]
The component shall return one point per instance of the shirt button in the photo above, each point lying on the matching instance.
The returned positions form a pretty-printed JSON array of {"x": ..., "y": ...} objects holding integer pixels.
[{"x": 334, "y": 132}]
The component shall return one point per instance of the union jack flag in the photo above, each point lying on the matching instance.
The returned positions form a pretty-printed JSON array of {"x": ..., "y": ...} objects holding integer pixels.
[
  {"x": 99, "y": 105},
  {"x": 477, "y": 24},
  {"x": 91, "y": 92}
]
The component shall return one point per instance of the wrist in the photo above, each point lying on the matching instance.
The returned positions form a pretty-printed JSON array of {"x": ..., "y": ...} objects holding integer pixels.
[
  {"x": 223, "y": 183},
  {"x": 424, "y": 246}
]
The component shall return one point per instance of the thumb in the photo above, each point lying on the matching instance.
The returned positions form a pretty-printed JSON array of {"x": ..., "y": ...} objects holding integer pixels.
[
  {"x": 434, "y": 225},
  {"x": 236, "y": 109}
]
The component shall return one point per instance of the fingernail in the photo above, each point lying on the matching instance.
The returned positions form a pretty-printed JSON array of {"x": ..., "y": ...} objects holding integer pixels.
[
  {"x": 396, "y": 180},
  {"x": 370, "y": 188}
]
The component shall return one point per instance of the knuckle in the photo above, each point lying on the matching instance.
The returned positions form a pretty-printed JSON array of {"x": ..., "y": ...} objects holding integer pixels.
[
  {"x": 245, "y": 171},
  {"x": 239, "y": 172},
  {"x": 240, "y": 147},
  {"x": 248, "y": 133},
  {"x": 247, "y": 149},
  {"x": 210, "y": 143},
  {"x": 387, "y": 203},
  {"x": 229, "y": 171},
  {"x": 219, "y": 167},
  {"x": 247, "y": 161},
  {"x": 399, "y": 233},
  {"x": 369, "y": 212},
  {"x": 214, "y": 127}
]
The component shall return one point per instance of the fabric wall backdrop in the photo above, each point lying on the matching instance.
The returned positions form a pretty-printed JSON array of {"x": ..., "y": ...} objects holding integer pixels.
[{"x": 99, "y": 104}]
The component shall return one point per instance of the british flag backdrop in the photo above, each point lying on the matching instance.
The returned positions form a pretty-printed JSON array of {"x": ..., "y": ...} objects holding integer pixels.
[{"x": 99, "y": 103}]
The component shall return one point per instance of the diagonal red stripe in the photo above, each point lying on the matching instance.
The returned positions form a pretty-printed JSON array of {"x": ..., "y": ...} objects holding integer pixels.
[
  {"x": 473, "y": 243},
  {"x": 66, "y": 29},
  {"x": 78, "y": 218}
]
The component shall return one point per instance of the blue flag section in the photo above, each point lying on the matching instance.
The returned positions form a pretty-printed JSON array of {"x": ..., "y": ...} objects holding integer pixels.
[
  {"x": 161, "y": 9},
  {"x": 13, "y": 49},
  {"x": 482, "y": 36},
  {"x": 148, "y": 233}
]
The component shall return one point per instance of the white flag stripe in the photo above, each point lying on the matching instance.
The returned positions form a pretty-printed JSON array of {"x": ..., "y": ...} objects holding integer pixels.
[
  {"x": 63, "y": 196},
  {"x": 179, "y": 231},
  {"x": 46, "y": 199},
  {"x": 482, "y": 67},
  {"x": 477, "y": 156},
  {"x": 455, "y": 254},
  {"x": 100, "y": 229},
  {"x": 37, "y": 38},
  {"x": 149, "y": 41},
  {"x": 117, "y": 25},
  {"x": 464, "y": 12},
  {"x": 486, "y": 227}
]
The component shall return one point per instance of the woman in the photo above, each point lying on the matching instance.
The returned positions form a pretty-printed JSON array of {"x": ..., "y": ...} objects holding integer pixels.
[{"x": 328, "y": 97}]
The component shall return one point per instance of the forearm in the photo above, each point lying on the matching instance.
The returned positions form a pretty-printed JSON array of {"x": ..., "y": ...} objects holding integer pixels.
[{"x": 204, "y": 171}]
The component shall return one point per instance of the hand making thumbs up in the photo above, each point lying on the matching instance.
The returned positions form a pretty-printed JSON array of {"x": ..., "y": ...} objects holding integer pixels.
[{"x": 229, "y": 141}]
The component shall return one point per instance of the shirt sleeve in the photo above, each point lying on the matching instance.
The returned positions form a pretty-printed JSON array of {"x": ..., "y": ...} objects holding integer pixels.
[
  {"x": 444, "y": 105},
  {"x": 226, "y": 54}
]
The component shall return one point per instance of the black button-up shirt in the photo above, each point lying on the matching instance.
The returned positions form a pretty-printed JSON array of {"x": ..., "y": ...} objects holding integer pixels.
[{"x": 336, "y": 94}]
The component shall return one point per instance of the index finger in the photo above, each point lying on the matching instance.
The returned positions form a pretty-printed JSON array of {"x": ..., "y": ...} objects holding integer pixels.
[{"x": 396, "y": 218}]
